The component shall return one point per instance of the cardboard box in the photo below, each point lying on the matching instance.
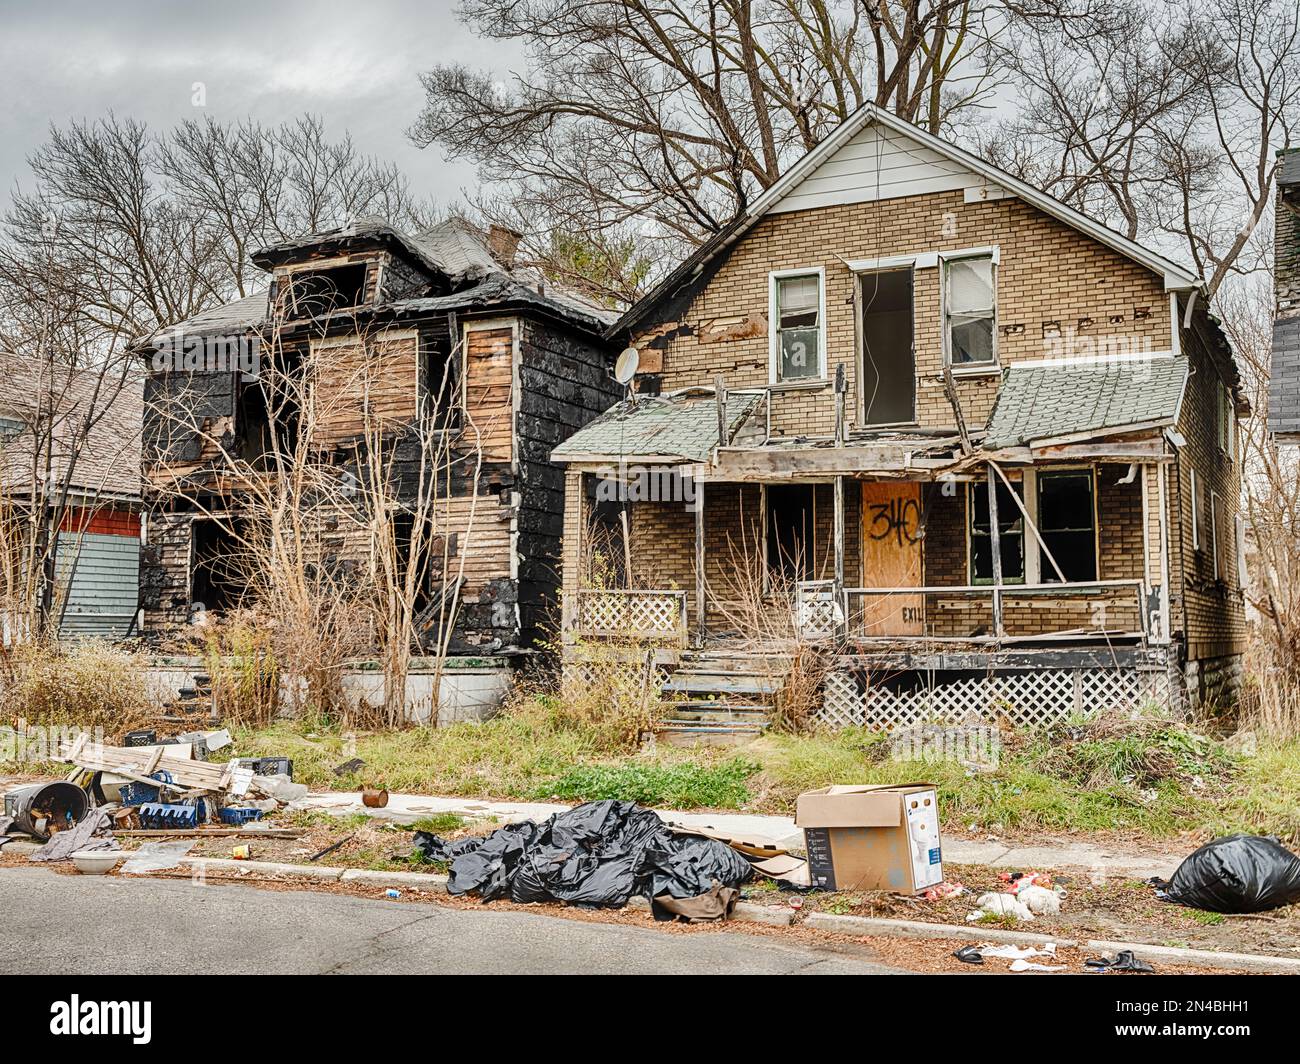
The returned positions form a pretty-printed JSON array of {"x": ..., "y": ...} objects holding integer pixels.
[{"x": 872, "y": 838}]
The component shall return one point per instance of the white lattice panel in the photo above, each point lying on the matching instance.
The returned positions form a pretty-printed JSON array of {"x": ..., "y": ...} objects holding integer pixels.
[
  {"x": 1022, "y": 699},
  {"x": 631, "y": 614}
]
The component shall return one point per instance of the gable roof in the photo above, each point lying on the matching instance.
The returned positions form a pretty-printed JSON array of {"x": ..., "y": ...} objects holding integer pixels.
[
  {"x": 945, "y": 166},
  {"x": 672, "y": 427},
  {"x": 1045, "y": 401},
  {"x": 50, "y": 403}
]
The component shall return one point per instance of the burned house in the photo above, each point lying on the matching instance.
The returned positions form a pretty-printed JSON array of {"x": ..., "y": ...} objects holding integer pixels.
[
  {"x": 978, "y": 448},
  {"x": 428, "y": 341},
  {"x": 70, "y": 512}
]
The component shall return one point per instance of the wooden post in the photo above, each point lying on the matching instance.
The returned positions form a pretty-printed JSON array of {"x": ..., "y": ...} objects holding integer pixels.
[
  {"x": 720, "y": 396},
  {"x": 995, "y": 546},
  {"x": 837, "y": 526},
  {"x": 700, "y": 608},
  {"x": 841, "y": 387}
]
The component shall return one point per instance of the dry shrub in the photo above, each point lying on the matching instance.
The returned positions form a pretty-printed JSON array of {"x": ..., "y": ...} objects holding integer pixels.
[
  {"x": 240, "y": 658},
  {"x": 87, "y": 684},
  {"x": 1270, "y": 703},
  {"x": 607, "y": 690},
  {"x": 758, "y": 605}
]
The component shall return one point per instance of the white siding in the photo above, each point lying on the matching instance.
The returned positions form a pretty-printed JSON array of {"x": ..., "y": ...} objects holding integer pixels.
[{"x": 877, "y": 164}]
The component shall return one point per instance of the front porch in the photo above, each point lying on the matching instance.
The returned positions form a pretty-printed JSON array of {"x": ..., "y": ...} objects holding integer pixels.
[{"x": 924, "y": 603}]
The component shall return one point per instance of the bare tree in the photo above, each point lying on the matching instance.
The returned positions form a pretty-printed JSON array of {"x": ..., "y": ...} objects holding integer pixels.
[
  {"x": 661, "y": 122},
  {"x": 1161, "y": 119}
]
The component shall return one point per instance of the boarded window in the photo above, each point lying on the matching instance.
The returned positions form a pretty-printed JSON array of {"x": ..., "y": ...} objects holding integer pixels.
[
  {"x": 489, "y": 411},
  {"x": 1066, "y": 521},
  {"x": 969, "y": 310},
  {"x": 798, "y": 327},
  {"x": 1011, "y": 528}
]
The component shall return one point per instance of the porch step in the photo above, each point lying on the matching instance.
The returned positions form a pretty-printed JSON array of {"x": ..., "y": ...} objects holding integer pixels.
[
  {"x": 688, "y": 680},
  {"x": 694, "y": 733},
  {"x": 705, "y": 712}
]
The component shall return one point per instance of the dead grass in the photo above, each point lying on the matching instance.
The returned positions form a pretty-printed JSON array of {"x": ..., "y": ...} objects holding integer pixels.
[{"x": 87, "y": 684}]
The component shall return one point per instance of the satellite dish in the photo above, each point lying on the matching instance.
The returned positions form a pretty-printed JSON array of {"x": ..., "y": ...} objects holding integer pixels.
[{"x": 626, "y": 366}]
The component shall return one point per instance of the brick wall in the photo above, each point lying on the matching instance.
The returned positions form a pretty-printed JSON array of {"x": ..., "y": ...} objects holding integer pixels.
[{"x": 1048, "y": 273}]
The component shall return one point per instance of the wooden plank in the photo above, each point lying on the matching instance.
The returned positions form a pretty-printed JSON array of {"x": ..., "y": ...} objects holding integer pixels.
[{"x": 891, "y": 557}]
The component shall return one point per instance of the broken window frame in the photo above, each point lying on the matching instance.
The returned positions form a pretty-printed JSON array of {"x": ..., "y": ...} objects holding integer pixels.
[
  {"x": 1226, "y": 419},
  {"x": 1011, "y": 523},
  {"x": 946, "y": 262},
  {"x": 288, "y": 296},
  {"x": 1047, "y": 572},
  {"x": 775, "y": 280}
]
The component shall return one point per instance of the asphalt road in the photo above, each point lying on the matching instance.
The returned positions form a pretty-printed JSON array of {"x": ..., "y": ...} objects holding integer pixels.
[{"x": 90, "y": 925}]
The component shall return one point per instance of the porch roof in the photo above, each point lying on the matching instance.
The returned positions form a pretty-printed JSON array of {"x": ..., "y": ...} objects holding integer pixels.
[
  {"x": 1058, "y": 399},
  {"x": 679, "y": 427}
]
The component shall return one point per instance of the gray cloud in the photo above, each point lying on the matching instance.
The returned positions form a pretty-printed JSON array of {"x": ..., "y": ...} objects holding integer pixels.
[{"x": 355, "y": 64}]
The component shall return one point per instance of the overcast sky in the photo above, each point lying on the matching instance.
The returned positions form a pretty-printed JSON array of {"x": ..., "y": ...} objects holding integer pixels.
[{"x": 354, "y": 63}]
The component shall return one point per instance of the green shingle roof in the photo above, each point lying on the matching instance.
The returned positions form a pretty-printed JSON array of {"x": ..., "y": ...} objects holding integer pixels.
[
  {"x": 660, "y": 426},
  {"x": 1046, "y": 401}
]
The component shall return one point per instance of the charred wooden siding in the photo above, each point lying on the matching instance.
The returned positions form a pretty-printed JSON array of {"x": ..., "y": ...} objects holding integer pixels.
[{"x": 564, "y": 382}]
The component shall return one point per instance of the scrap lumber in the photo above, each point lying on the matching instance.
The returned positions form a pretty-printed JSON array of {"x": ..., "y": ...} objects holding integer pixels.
[{"x": 141, "y": 762}]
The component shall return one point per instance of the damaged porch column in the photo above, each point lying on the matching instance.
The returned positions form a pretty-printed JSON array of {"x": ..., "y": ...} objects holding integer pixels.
[
  {"x": 701, "y": 609},
  {"x": 995, "y": 547}
]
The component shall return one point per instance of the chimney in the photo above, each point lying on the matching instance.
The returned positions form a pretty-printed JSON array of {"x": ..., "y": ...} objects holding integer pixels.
[{"x": 503, "y": 242}]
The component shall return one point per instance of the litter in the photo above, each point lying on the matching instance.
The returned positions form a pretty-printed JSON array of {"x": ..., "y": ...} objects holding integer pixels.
[
  {"x": 999, "y": 905},
  {"x": 1123, "y": 961},
  {"x": 1018, "y": 881},
  {"x": 374, "y": 798},
  {"x": 599, "y": 854},
  {"x": 348, "y": 767},
  {"x": 1034, "y": 966},
  {"x": 1040, "y": 901},
  {"x": 92, "y": 832},
  {"x": 1017, "y": 953},
  {"x": 156, "y": 857},
  {"x": 1235, "y": 874},
  {"x": 392, "y": 893},
  {"x": 944, "y": 891},
  {"x": 970, "y": 955}
]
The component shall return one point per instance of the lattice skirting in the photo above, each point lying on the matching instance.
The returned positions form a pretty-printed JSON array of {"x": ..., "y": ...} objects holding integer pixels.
[
  {"x": 612, "y": 674},
  {"x": 1036, "y": 699}
]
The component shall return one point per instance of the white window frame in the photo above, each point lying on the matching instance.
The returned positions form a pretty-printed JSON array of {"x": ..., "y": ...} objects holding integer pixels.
[
  {"x": 974, "y": 369},
  {"x": 1226, "y": 422},
  {"x": 1214, "y": 531},
  {"x": 774, "y": 333}
]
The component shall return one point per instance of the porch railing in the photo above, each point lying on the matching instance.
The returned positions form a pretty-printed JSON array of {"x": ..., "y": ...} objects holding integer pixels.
[
  {"x": 629, "y": 615},
  {"x": 969, "y": 613}
]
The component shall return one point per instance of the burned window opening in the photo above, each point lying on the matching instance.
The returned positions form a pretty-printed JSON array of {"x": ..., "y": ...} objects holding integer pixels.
[
  {"x": 313, "y": 293},
  {"x": 442, "y": 387},
  {"x": 218, "y": 578}
]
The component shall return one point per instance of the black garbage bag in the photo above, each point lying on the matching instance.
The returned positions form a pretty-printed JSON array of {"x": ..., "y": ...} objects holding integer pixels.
[
  {"x": 596, "y": 854},
  {"x": 1236, "y": 874}
]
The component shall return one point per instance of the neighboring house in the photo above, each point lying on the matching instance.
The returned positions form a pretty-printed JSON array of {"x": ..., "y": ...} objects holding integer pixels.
[
  {"x": 1284, "y": 381},
  {"x": 895, "y": 327},
  {"x": 439, "y": 318},
  {"x": 70, "y": 464}
]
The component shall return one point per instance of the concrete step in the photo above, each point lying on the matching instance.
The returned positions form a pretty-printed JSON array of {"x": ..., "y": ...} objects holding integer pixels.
[
  {"x": 687, "y": 680},
  {"x": 690, "y": 733}
]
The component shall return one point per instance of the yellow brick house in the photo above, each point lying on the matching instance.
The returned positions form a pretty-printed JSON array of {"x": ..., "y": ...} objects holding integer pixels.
[{"x": 975, "y": 446}]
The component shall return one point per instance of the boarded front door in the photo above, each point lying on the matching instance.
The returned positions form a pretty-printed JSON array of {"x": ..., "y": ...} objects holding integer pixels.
[{"x": 891, "y": 557}]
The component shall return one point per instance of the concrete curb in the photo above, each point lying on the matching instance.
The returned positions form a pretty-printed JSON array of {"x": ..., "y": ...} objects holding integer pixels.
[
  {"x": 411, "y": 880},
  {"x": 744, "y": 913},
  {"x": 1174, "y": 956},
  {"x": 226, "y": 864}
]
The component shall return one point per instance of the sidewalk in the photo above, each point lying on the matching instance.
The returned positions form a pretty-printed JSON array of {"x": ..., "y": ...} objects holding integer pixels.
[{"x": 1102, "y": 861}]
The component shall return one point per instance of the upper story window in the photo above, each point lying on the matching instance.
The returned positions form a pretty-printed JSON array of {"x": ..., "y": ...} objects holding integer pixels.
[
  {"x": 312, "y": 293},
  {"x": 798, "y": 316},
  {"x": 1227, "y": 422},
  {"x": 969, "y": 307}
]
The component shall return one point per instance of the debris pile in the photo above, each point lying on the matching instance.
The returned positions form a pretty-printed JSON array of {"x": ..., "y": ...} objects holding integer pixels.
[
  {"x": 599, "y": 854},
  {"x": 147, "y": 787}
]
